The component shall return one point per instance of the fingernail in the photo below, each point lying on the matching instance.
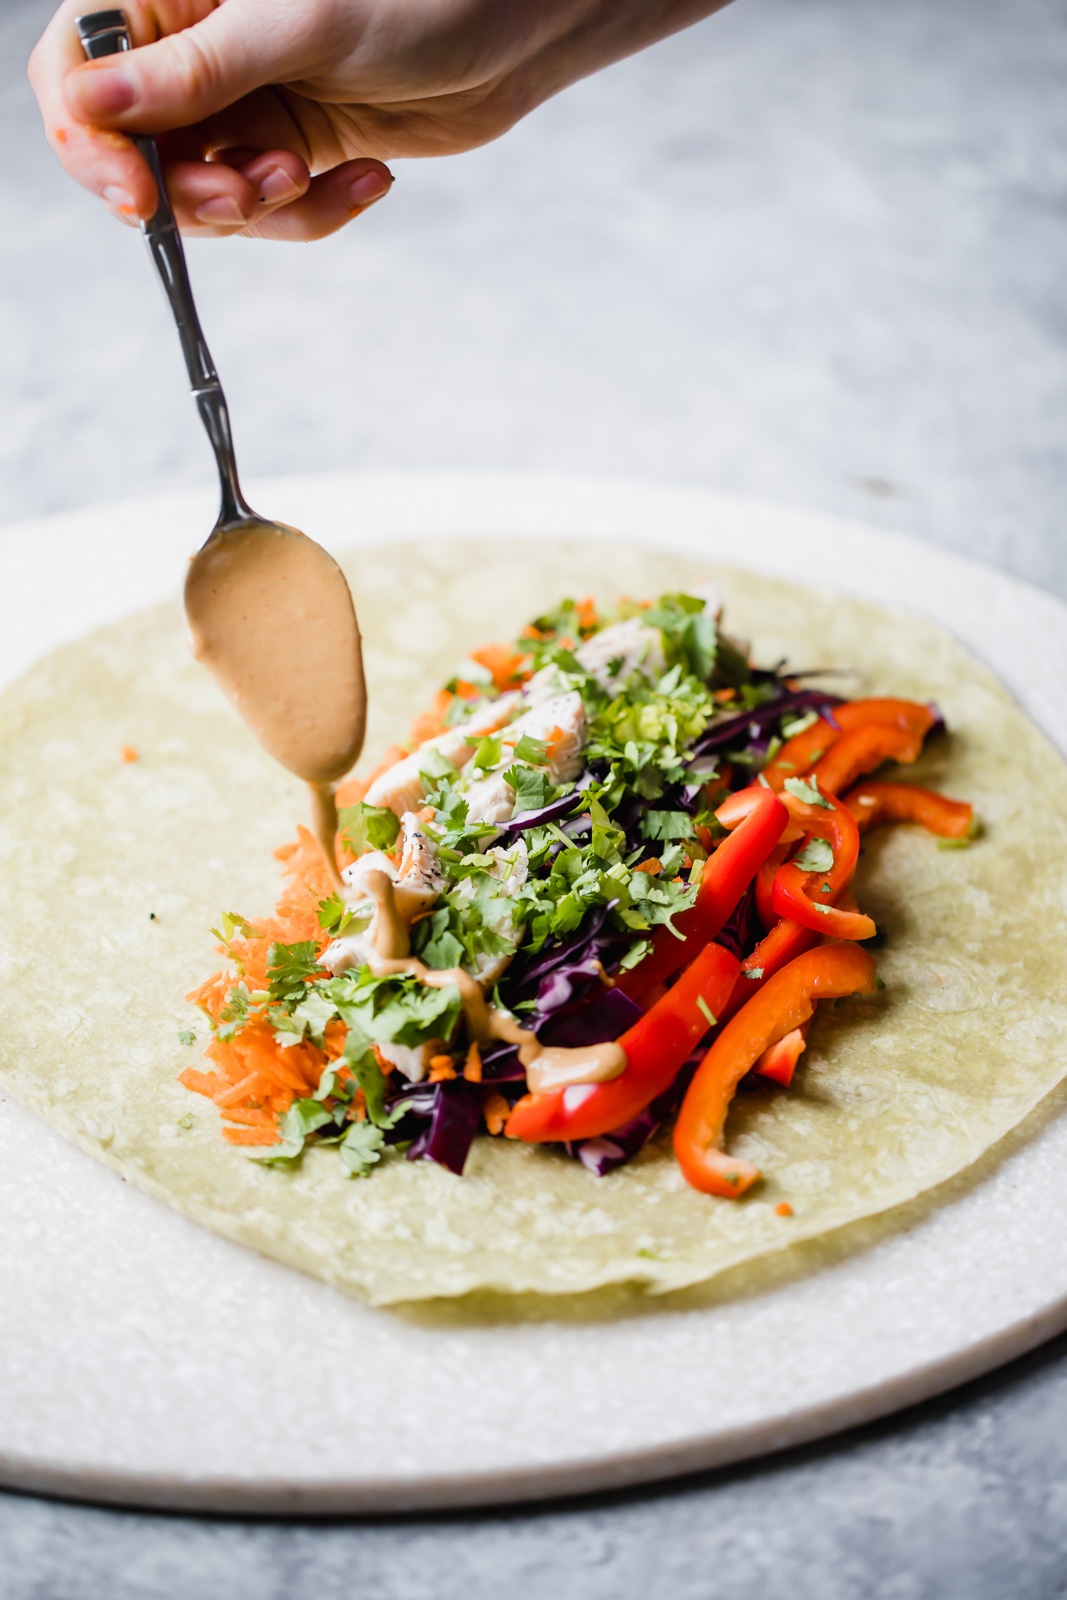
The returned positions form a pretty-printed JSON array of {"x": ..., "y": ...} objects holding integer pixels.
[
  {"x": 104, "y": 91},
  {"x": 368, "y": 187},
  {"x": 221, "y": 212},
  {"x": 277, "y": 187},
  {"x": 121, "y": 199}
]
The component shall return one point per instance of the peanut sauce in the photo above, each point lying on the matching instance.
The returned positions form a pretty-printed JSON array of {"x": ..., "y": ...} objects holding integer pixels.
[
  {"x": 549, "y": 1068},
  {"x": 271, "y": 617}
]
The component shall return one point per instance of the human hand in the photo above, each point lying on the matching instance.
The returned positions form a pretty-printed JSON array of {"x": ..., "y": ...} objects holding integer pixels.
[{"x": 276, "y": 117}]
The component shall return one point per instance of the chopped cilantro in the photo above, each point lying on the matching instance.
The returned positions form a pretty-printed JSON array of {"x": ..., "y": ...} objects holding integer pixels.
[
  {"x": 531, "y": 788},
  {"x": 808, "y": 792},
  {"x": 973, "y": 832},
  {"x": 667, "y": 825},
  {"x": 187, "y": 1036},
  {"x": 365, "y": 827},
  {"x": 532, "y": 750},
  {"x": 488, "y": 753},
  {"x": 361, "y": 1149},
  {"x": 288, "y": 968},
  {"x": 816, "y": 856},
  {"x": 636, "y": 953},
  {"x": 294, "y": 1125},
  {"x": 432, "y": 764},
  {"x": 334, "y": 916},
  {"x": 233, "y": 924}
]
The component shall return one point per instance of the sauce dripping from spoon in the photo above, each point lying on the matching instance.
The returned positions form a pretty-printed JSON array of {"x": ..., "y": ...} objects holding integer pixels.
[{"x": 271, "y": 616}]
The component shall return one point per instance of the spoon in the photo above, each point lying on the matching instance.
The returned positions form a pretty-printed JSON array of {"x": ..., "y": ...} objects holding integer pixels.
[{"x": 270, "y": 613}]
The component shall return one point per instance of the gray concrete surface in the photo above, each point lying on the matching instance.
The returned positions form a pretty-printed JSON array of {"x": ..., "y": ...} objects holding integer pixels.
[{"x": 814, "y": 251}]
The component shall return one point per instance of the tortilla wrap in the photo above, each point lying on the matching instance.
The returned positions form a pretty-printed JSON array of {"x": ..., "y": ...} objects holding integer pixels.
[{"x": 113, "y": 873}]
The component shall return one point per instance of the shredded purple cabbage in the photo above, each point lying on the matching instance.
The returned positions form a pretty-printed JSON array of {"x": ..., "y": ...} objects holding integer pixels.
[
  {"x": 742, "y": 930},
  {"x": 612, "y": 1150},
  {"x": 447, "y": 1115},
  {"x": 550, "y": 813},
  {"x": 732, "y": 729},
  {"x": 606, "y": 1016}
]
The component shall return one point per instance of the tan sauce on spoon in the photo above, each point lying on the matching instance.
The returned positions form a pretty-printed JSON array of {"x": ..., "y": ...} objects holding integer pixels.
[
  {"x": 271, "y": 617},
  {"x": 549, "y": 1068}
]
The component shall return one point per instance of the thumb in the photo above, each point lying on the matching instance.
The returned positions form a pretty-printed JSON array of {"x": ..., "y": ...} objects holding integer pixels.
[{"x": 196, "y": 72}]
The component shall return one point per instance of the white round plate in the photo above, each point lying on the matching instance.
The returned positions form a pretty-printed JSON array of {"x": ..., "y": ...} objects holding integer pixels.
[{"x": 143, "y": 1359}]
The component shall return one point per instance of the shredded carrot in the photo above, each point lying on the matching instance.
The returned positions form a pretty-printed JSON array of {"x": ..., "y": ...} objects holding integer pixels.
[
  {"x": 724, "y": 696},
  {"x": 429, "y": 723},
  {"x": 783, "y": 1209},
  {"x": 247, "y": 1089},
  {"x": 253, "y": 1119},
  {"x": 588, "y": 619},
  {"x": 128, "y": 753},
  {"x": 553, "y": 740},
  {"x": 251, "y": 1135},
  {"x": 199, "y": 1082},
  {"x": 441, "y": 1068},
  {"x": 509, "y": 667},
  {"x": 651, "y": 866},
  {"x": 472, "y": 1067},
  {"x": 496, "y": 1112}
]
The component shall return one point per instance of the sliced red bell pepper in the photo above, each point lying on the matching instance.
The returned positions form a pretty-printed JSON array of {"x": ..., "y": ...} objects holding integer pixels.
[
  {"x": 861, "y": 750},
  {"x": 809, "y": 897},
  {"x": 727, "y": 874},
  {"x": 783, "y": 944},
  {"x": 779, "y": 1061},
  {"x": 765, "y": 885},
  {"x": 785, "y": 1003},
  {"x": 656, "y": 1047},
  {"x": 873, "y": 803},
  {"x": 911, "y": 715},
  {"x": 799, "y": 754}
]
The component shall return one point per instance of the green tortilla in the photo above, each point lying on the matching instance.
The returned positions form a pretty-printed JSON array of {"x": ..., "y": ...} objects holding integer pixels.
[{"x": 112, "y": 875}]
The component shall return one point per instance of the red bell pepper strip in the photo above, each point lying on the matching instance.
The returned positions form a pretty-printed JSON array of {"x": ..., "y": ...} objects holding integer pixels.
[
  {"x": 860, "y": 751},
  {"x": 799, "y": 754},
  {"x": 727, "y": 874},
  {"x": 911, "y": 715},
  {"x": 779, "y": 1061},
  {"x": 765, "y": 885},
  {"x": 783, "y": 944},
  {"x": 808, "y": 897},
  {"x": 656, "y": 1048},
  {"x": 873, "y": 803},
  {"x": 786, "y": 1002}
]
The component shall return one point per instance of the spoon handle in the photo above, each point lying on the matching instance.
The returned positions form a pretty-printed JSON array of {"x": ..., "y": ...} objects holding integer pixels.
[{"x": 106, "y": 33}]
